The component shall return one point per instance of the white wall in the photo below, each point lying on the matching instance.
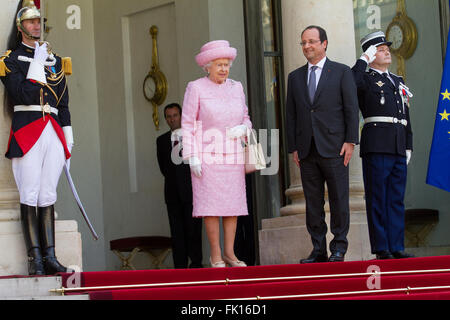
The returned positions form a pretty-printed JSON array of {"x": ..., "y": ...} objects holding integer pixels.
[
  {"x": 85, "y": 162},
  {"x": 184, "y": 27}
]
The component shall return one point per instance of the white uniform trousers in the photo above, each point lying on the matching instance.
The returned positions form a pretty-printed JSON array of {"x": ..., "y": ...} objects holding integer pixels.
[{"x": 37, "y": 173}]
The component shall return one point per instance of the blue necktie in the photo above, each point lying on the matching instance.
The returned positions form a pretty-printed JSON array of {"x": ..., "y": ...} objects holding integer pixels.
[{"x": 312, "y": 83}]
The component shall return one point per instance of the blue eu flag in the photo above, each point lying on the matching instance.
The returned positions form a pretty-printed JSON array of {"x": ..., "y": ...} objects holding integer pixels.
[{"x": 439, "y": 164}]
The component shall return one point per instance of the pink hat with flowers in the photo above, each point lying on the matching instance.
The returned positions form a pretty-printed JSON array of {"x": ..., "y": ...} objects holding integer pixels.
[{"x": 215, "y": 50}]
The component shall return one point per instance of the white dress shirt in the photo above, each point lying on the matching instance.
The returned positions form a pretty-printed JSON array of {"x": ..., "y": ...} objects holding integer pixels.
[{"x": 318, "y": 70}]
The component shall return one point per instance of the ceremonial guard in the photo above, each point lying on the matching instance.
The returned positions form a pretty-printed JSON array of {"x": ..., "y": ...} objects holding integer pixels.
[
  {"x": 386, "y": 145},
  {"x": 41, "y": 136}
]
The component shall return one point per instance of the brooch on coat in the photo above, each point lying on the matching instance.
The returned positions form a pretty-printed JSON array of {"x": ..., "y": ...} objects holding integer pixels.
[{"x": 380, "y": 84}]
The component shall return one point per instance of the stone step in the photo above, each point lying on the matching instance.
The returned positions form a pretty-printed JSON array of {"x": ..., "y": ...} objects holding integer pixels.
[
  {"x": 286, "y": 240},
  {"x": 33, "y": 288},
  {"x": 13, "y": 257},
  {"x": 28, "y": 286}
]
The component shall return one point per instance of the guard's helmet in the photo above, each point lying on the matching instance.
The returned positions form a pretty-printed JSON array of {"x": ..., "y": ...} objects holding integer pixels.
[{"x": 29, "y": 11}]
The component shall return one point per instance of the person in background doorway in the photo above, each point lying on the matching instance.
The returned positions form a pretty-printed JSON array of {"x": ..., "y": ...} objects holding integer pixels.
[{"x": 186, "y": 231}]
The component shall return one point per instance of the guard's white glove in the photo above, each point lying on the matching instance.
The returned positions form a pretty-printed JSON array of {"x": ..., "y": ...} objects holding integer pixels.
[
  {"x": 36, "y": 71},
  {"x": 408, "y": 156},
  {"x": 196, "y": 166},
  {"x": 237, "y": 132},
  {"x": 68, "y": 135},
  {"x": 370, "y": 53}
]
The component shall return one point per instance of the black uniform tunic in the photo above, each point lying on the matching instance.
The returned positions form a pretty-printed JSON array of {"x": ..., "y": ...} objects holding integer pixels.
[{"x": 27, "y": 126}]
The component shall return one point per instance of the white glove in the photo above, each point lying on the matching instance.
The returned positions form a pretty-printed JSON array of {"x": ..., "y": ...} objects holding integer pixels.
[
  {"x": 237, "y": 132},
  {"x": 370, "y": 53},
  {"x": 36, "y": 71},
  {"x": 196, "y": 166},
  {"x": 408, "y": 156},
  {"x": 68, "y": 135},
  {"x": 177, "y": 135}
]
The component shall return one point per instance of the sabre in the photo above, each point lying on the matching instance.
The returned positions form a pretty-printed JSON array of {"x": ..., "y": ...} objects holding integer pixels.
[{"x": 80, "y": 205}]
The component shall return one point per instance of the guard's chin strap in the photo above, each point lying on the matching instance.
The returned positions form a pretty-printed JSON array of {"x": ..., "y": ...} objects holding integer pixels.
[{"x": 27, "y": 34}]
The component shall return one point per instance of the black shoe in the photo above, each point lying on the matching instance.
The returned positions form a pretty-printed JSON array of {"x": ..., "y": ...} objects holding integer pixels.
[
  {"x": 30, "y": 232},
  {"x": 336, "y": 257},
  {"x": 402, "y": 255},
  {"x": 35, "y": 263},
  {"x": 383, "y": 255},
  {"x": 315, "y": 257},
  {"x": 51, "y": 264},
  {"x": 195, "y": 265},
  {"x": 46, "y": 217}
]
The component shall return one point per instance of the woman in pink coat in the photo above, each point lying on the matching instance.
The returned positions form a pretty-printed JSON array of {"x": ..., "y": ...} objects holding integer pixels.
[{"x": 214, "y": 121}]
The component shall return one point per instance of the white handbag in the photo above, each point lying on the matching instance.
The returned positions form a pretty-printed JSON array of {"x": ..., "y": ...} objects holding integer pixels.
[{"x": 254, "y": 155}]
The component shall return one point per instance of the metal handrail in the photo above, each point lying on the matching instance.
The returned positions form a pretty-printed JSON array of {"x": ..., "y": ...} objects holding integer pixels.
[{"x": 407, "y": 291}]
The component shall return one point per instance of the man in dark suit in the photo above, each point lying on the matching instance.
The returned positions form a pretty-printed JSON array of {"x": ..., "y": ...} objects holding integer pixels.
[
  {"x": 322, "y": 128},
  {"x": 386, "y": 145},
  {"x": 186, "y": 231}
]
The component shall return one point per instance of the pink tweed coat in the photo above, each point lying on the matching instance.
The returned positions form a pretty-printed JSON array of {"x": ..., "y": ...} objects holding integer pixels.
[{"x": 209, "y": 109}]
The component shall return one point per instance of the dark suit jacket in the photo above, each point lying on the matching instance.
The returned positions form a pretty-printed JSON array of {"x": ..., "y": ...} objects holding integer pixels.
[
  {"x": 333, "y": 117},
  {"x": 177, "y": 184},
  {"x": 382, "y": 137}
]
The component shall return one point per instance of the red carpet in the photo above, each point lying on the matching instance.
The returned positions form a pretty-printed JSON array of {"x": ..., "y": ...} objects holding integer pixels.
[{"x": 348, "y": 282}]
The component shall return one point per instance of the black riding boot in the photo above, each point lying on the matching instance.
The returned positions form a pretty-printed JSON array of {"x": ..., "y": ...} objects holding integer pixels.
[
  {"x": 46, "y": 218},
  {"x": 30, "y": 231}
]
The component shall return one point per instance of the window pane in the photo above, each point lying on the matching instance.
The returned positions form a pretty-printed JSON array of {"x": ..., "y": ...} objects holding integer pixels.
[
  {"x": 272, "y": 94},
  {"x": 268, "y": 25}
]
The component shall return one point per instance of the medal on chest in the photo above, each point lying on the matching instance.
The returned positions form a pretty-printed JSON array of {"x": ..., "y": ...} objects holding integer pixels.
[
  {"x": 382, "y": 99},
  {"x": 406, "y": 94}
]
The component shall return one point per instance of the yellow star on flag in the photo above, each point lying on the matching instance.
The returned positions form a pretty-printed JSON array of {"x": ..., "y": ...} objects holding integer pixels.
[
  {"x": 446, "y": 95},
  {"x": 444, "y": 115}
]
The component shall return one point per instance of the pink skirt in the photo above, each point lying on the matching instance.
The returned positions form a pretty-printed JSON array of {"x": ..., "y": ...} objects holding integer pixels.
[{"x": 220, "y": 191}]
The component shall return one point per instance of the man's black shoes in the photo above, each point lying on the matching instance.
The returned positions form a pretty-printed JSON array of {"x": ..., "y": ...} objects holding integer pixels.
[
  {"x": 382, "y": 255},
  {"x": 402, "y": 255},
  {"x": 315, "y": 257},
  {"x": 336, "y": 257}
]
